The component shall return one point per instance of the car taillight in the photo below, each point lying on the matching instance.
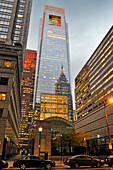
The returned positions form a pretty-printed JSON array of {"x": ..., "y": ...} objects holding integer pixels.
[
  {"x": 109, "y": 159},
  {"x": 68, "y": 159},
  {"x": 15, "y": 160}
]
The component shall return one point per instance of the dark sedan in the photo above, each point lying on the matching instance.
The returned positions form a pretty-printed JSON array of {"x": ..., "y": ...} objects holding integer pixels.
[
  {"x": 84, "y": 160},
  {"x": 33, "y": 161},
  {"x": 3, "y": 164},
  {"x": 109, "y": 160}
]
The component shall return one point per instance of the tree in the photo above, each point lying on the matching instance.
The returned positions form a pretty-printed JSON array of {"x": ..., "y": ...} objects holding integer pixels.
[{"x": 77, "y": 139}]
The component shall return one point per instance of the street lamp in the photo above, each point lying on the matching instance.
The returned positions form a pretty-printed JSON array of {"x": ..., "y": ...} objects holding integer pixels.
[
  {"x": 110, "y": 100},
  {"x": 39, "y": 146},
  {"x": 61, "y": 145},
  {"x": 98, "y": 135}
]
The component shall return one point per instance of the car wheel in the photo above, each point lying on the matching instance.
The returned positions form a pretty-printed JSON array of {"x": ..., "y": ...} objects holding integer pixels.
[
  {"x": 98, "y": 165},
  {"x": 72, "y": 166},
  {"x": 22, "y": 167},
  {"x": 76, "y": 165},
  {"x": 48, "y": 166},
  {"x": 110, "y": 165}
]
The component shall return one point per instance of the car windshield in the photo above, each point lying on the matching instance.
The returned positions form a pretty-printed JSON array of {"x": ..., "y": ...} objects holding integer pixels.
[
  {"x": 96, "y": 157},
  {"x": 23, "y": 157},
  {"x": 40, "y": 157},
  {"x": 32, "y": 157},
  {"x": 76, "y": 156}
]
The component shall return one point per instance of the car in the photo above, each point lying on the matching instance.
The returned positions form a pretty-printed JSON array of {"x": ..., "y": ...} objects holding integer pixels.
[
  {"x": 84, "y": 160},
  {"x": 109, "y": 160},
  {"x": 3, "y": 164},
  {"x": 33, "y": 161}
]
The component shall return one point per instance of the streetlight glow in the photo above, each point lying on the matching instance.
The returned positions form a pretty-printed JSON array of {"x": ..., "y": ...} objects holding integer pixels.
[
  {"x": 98, "y": 135},
  {"x": 110, "y": 100},
  {"x": 40, "y": 129},
  {"x": 39, "y": 146}
]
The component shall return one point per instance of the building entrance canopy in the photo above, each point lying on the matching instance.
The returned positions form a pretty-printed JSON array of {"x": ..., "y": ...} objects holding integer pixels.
[{"x": 59, "y": 124}]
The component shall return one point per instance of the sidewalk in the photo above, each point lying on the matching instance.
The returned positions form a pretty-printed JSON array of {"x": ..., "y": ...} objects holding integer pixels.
[
  {"x": 11, "y": 160},
  {"x": 60, "y": 164}
]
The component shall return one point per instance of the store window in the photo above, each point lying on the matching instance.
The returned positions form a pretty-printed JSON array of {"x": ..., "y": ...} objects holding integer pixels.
[
  {"x": 7, "y": 63},
  {"x": 2, "y": 96}
]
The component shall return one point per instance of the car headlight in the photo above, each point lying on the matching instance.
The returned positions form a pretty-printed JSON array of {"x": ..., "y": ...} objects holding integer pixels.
[
  {"x": 102, "y": 160},
  {"x": 4, "y": 162}
]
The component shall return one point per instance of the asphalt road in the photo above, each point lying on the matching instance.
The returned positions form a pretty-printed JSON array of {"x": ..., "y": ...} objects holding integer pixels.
[
  {"x": 66, "y": 168},
  {"x": 85, "y": 168}
]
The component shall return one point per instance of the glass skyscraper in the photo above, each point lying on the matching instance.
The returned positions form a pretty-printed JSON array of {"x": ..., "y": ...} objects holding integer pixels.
[
  {"x": 27, "y": 97},
  {"x": 53, "y": 51},
  {"x": 63, "y": 87}
]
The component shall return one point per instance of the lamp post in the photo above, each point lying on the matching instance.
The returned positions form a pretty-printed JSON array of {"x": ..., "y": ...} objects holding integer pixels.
[
  {"x": 61, "y": 145},
  {"x": 110, "y": 100},
  {"x": 33, "y": 141},
  {"x": 69, "y": 146},
  {"x": 39, "y": 146}
]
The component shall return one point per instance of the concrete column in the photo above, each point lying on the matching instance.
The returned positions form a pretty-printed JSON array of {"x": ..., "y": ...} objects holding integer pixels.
[{"x": 45, "y": 145}]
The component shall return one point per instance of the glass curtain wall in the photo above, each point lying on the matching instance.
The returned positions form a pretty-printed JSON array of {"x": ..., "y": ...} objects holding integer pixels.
[{"x": 53, "y": 51}]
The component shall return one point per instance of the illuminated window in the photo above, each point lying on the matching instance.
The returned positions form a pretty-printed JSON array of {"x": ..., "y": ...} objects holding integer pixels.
[
  {"x": 2, "y": 96},
  {"x": 55, "y": 20},
  {"x": 7, "y": 63}
]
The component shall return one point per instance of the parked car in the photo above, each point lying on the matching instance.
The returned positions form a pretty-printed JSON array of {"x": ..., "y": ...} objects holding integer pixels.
[
  {"x": 84, "y": 160},
  {"x": 109, "y": 160},
  {"x": 33, "y": 161},
  {"x": 3, "y": 164}
]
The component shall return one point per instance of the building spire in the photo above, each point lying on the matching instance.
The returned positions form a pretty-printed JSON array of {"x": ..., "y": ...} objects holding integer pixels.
[{"x": 62, "y": 67}]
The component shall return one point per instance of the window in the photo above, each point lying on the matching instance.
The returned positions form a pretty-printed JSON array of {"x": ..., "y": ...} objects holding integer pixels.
[
  {"x": 2, "y": 96},
  {"x": 7, "y": 63},
  {"x": 3, "y": 81},
  {"x": 1, "y": 111}
]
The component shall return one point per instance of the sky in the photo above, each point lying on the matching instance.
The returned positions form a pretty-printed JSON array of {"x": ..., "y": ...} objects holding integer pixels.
[{"x": 88, "y": 22}]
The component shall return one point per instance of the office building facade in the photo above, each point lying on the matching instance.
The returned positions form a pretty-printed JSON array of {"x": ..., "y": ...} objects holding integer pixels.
[
  {"x": 62, "y": 87},
  {"x": 53, "y": 105},
  {"x": 14, "y": 25},
  {"x": 9, "y": 100},
  {"x": 93, "y": 87},
  {"x": 53, "y": 51},
  {"x": 27, "y": 97}
]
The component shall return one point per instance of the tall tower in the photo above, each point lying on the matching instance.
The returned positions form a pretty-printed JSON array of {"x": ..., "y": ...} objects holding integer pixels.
[
  {"x": 14, "y": 25},
  {"x": 53, "y": 50},
  {"x": 27, "y": 97},
  {"x": 62, "y": 87}
]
